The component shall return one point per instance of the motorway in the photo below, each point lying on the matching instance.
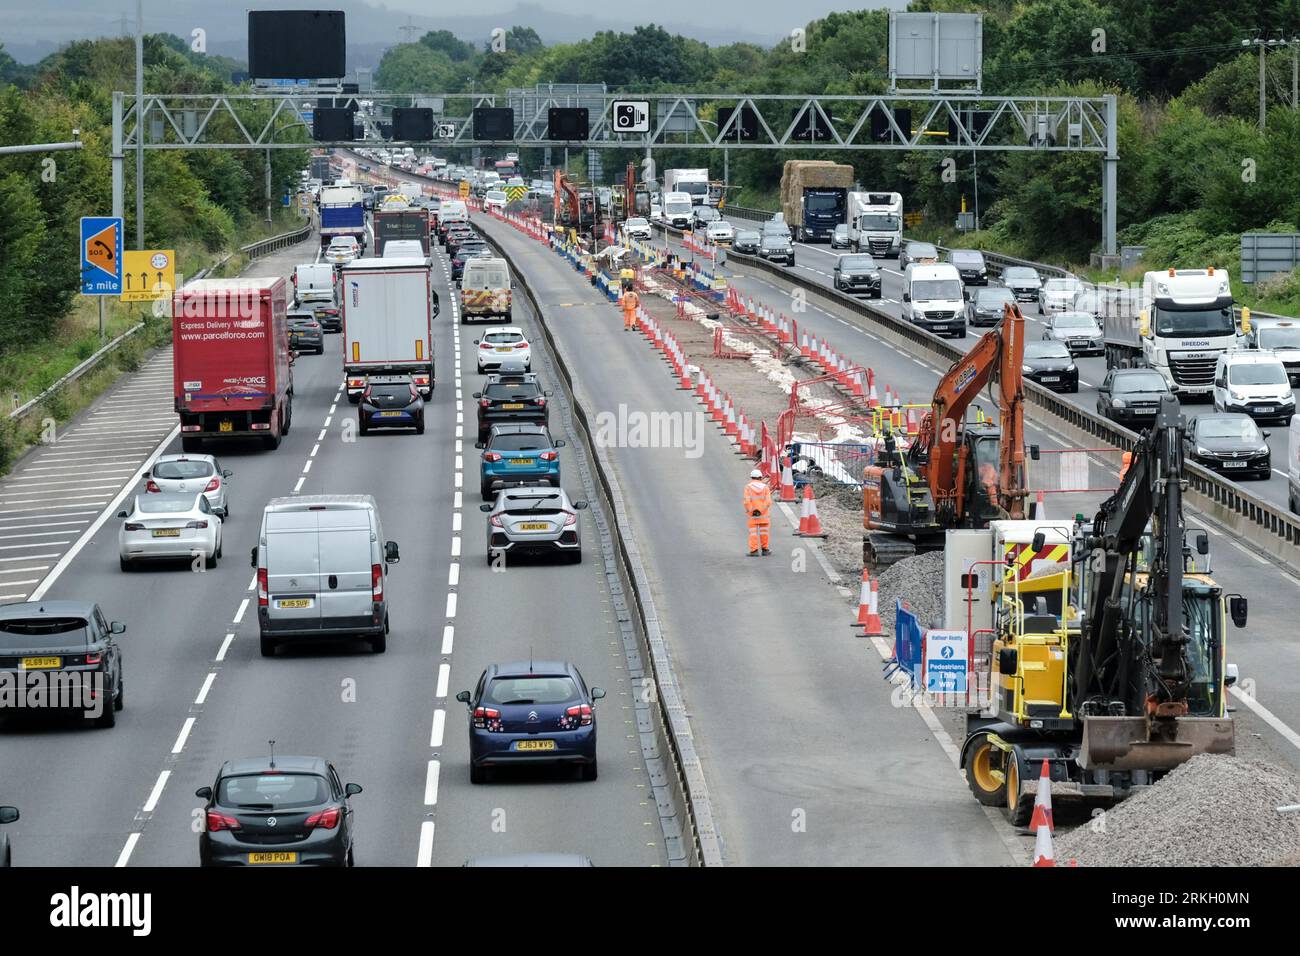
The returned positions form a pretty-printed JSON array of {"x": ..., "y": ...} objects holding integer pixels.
[
  {"x": 816, "y": 262},
  {"x": 198, "y": 692}
]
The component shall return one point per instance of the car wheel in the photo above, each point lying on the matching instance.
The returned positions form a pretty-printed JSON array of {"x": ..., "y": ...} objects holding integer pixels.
[
  {"x": 210, "y": 561},
  {"x": 590, "y": 770},
  {"x": 288, "y": 415},
  {"x": 1074, "y": 388},
  {"x": 363, "y": 427},
  {"x": 379, "y": 644},
  {"x": 988, "y": 790},
  {"x": 268, "y": 646},
  {"x": 419, "y": 428},
  {"x": 123, "y": 563},
  {"x": 271, "y": 442},
  {"x": 485, "y": 489},
  {"x": 120, "y": 700},
  {"x": 354, "y": 399},
  {"x": 108, "y": 718},
  {"x": 576, "y": 557},
  {"x": 478, "y": 774},
  {"x": 219, "y": 543},
  {"x": 351, "y": 860}
]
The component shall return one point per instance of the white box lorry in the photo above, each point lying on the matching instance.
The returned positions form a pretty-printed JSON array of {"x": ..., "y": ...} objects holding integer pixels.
[
  {"x": 876, "y": 223},
  {"x": 388, "y": 311}
]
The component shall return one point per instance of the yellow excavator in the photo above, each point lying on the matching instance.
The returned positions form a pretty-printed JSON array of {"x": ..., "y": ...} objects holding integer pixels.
[{"x": 1121, "y": 675}]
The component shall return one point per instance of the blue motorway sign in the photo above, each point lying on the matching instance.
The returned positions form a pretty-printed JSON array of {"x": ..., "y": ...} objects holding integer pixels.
[{"x": 101, "y": 255}]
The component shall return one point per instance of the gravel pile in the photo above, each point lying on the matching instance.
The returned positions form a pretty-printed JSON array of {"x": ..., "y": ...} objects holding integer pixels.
[
  {"x": 918, "y": 581},
  {"x": 1211, "y": 811},
  {"x": 843, "y": 545}
]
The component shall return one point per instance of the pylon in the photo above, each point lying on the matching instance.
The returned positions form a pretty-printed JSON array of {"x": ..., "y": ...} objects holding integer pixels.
[
  {"x": 1044, "y": 855},
  {"x": 730, "y": 426},
  {"x": 787, "y": 480},
  {"x": 873, "y": 399},
  {"x": 810, "y": 525},
  {"x": 869, "y": 607},
  {"x": 1043, "y": 801},
  {"x": 1040, "y": 509}
]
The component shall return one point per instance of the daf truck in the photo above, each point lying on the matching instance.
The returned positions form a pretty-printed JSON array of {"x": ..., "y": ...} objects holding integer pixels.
[
  {"x": 815, "y": 197},
  {"x": 876, "y": 223}
]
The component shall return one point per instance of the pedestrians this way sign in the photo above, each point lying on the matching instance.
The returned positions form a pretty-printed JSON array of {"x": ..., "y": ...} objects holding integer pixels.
[
  {"x": 101, "y": 255},
  {"x": 945, "y": 662},
  {"x": 148, "y": 274}
]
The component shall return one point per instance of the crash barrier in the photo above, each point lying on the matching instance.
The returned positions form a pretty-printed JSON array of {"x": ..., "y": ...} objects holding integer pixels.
[
  {"x": 670, "y": 722},
  {"x": 907, "y": 644},
  {"x": 1270, "y": 528}
]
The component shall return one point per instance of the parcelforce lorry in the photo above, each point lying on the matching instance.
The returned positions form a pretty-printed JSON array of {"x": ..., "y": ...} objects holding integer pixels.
[
  {"x": 695, "y": 182},
  {"x": 342, "y": 213},
  {"x": 876, "y": 223},
  {"x": 815, "y": 197},
  {"x": 406, "y": 223},
  {"x": 388, "y": 310},
  {"x": 1179, "y": 325},
  {"x": 230, "y": 346}
]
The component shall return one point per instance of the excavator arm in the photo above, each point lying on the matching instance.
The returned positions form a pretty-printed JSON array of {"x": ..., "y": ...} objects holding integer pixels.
[{"x": 567, "y": 206}]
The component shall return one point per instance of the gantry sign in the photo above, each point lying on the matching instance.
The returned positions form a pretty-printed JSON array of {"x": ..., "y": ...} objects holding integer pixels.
[{"x": 936, "y": 122}]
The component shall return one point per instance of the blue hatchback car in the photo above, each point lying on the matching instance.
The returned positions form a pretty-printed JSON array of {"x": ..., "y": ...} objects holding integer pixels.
[
  {"x": 518, "y": 454},
  {"x": 531, "y": 712}
]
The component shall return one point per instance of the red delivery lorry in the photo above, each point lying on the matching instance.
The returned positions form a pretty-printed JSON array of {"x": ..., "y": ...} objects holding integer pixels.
[{"x": 232, "y": 371}]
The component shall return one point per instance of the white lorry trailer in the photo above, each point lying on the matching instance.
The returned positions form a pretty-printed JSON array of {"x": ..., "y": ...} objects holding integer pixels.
[{"x": 388, "y": 311}]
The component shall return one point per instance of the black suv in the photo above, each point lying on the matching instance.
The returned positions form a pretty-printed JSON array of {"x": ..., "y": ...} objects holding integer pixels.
[
  {"x": 858, "y": 273},
  {"x": 511, "y": 397}
]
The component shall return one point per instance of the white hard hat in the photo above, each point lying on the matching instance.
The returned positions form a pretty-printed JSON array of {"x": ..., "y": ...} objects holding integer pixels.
[{"x": 756, "y": 474}]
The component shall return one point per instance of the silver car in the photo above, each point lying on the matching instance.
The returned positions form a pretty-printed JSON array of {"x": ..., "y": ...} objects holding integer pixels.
[
  {"x": 1078, "y": 331},
  {"x": 169, "y": 527},
  {"x": 186, "y": 474},
  {"x": 1023, "y": 281},
  {"x": 534, "y": 519},
  {"x": 1056, "y": 295}
]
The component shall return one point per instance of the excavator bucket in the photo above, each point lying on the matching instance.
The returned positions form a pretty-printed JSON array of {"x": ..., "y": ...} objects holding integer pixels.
[{"x": 1134, "y": 743}]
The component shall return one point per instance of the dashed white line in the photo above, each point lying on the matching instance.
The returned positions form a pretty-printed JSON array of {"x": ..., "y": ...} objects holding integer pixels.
[
  {"x": 431, "y": 785},
  {"x": 439, "y": 726},
  {"x": 455, "y": 547},
  {"x": 448, "y": 636},
  {"x": 183, "y": 735},
  {"x": 125, "y": 855},
  {"x": 207, "y": 686},
  {"x": 424, "y": 856},
  {"x": 156, "y": 794},
  {"x": 444, "y": 678},
  {"x": 315, "y": 448},
  {"x": 239, "y": 615},
  {"x": 299, "y": 484},
  {"x": 451, "y": 606}
]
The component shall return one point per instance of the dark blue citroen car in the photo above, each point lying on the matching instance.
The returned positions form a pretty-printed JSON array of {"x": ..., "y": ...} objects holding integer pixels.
[{"x": 531, "y": 712}]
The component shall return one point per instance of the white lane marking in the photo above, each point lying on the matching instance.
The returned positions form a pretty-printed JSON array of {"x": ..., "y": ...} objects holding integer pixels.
[
  {"x": 439, "y": 726},
  {"x": 451, "y": 606},
  {"x": 239, "y": 615},
  {"x": 448, "y": 636},
  {"x": 444, "y": 678},
  {"x": 225, "y": 646},
  {"x": 11, "y": 584},
  {"x": 456, "y": 502},
  {"x": 460, "y": 462},
  {"x": 156, "y": 794},
  {"x": 315, "y": 448},
  {"x": 328, "y": 419},
  {"x": 125, "y": 855},
  {"x": 183, "y": 735},
  {"x": 424, "y": 856},
  {"x": 455, "y": 547},
  {"x": 321, "y": 436},
  {"x": 207, "y": 686},
  {"x": 431, "y": 785},
  {"x": 460, "y": 431},
  {"x": 1267, "y": 716},
  {"x": 307, "y": 467},
  {"x": 299, "y": 484},
  {"x": 458, "y": 480},
  {"x": 38, "y": 567},
  {"x": 112, "y": 506},
  {"x": 453, "y": 575},
  {"x": 455, "y": 521},
  {"x": 252, "y": 582},
  {"x": 459, "y": 446}
]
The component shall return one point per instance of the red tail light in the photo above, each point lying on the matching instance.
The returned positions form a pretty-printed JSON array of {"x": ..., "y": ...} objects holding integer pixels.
[
  {"x": 485, "y": 345},
  {"x": 150, "y": 486},
  {"x": 325, "y": 820},
  {"x": 582, "y": 712},
  {"x": 549, "y": 455},
  {"x": 491, "y": 456},
  {"x": 133, "y": 526},
  {"x": 262, "y": 593},
  {"x": 196, "y": 524},
  {"x": 219, "y": 821},
  {"x": 377, "y": 581},
  {"x": 539, "y": 402},
  {"x": 483, "y": 714},
  {"x": 484, "y": 403},
  {"x": 570, "y": 518},
  {"x": 94, "y": 658},
  {"x": 213, "y": 485}
]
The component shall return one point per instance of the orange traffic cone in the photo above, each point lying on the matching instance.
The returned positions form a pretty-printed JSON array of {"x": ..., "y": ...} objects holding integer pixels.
[
  {"x": 1042, "y": 817},
  {"x": 1040, "y": 509},
  {"x": 869, "y": 606},
  {"x": 873, "y": 399},
  {"x": 1044, "y": 855},
  {"x": 810, "y": 526},
  {"x": 787, "y": 481}
]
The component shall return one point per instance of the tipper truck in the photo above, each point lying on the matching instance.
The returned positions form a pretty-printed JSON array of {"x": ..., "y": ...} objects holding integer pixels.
[
  {"x": 231, "y": 367},
  {"x": 815, "y": 197},
  {"x": 342, "y": 213},
  {"x": 388, "y": 311},
  {"x": 409, "y": 222},
  {"x": 1179, "y": 324}
]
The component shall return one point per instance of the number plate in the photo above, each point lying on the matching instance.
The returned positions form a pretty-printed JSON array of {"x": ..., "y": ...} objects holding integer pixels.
[
  {"x": 1265, "y": 409},
  {"x": 512, "y": 406},
  {"x": 226, "y": 427},
  {"x": 535, "y": 745},
  {"x": 388, "y": 414},
  {"x": 276, "y": 857},
  {"x": 521, "y": 461},
  {"x": 1051, "y": 378},
  {"x": 505, "y": 348},
  {"x": 1078, "y": 344},
  {"x": 1234, "y": 464},
  {"x": 166, "y": 532},
  {"x": 294, "y": 602},
  {"x": 40, "y": 663},
  {"x": 534, "y": 526}
]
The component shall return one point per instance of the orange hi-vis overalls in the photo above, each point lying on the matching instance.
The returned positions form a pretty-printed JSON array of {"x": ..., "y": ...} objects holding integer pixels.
[
  {"x": 758, "y": 508},
  {"x": 630, "y": 301}
]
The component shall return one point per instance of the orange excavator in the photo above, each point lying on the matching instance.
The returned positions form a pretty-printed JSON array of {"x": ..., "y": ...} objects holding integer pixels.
[
  {"x": 955, "y": 473},
  {"x": 568, "y": 205}
]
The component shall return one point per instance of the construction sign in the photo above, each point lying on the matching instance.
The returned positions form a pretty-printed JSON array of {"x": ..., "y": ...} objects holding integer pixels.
[
  {"x": 1023, "y": 562},
  {"x": 516, "y": 193},
  {"x": 101, "y": 255},
  {"x": 912, "y": 219},
  {"x": 148, "y": 274},
  {"x": 464, "y": 188}
]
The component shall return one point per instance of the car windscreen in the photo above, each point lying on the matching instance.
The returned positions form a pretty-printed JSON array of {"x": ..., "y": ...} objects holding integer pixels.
[
  {"x": 967, "y": 259},
  {"x": 529, "y": 442},
  {"x": 1061, "y": 285},
  {"x": 1257, "y": 373},
  {"x": 1067, "y": 321},
  {"x": 1046, "y": 350},
  {"x": 1140, "y": 382},
  {"x": 707, "y": 214},
  {"x": 182, "y": 470},
  {"x": 932, "y": 290},
  {"x": 503, "y": 338},
  {"x": 1019, "y": 274},
  {"x": 44, "y": 632},
  {"x": 1241, "y": 427},
  {"x": 856, "y": 262},
  {"x": 397, "y": 394},
  {"x": 273, "y": 791},
  {"x": 164, "y": 504},
  {"x": 531, "y": 690},
  {"x": 500, "y": 391},
  {"x": 1280, "y": 337},
  {"x": 878, "y": 223}
]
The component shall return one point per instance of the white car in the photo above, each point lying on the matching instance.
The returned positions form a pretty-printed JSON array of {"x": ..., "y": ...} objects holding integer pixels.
[
  {"x": 638, "y": 228},
  {"x": 169, "y": 526},
  {"x": 342, "y": 249},
  {"x": 495, "y": 199},
  {"x": 503, "y": 343},
  {"x": 1057, "y": 295},
  {"x": 720, "y": 231},
  {"x": 186, "y": 474},
  {"x": 656, "y": 212}
]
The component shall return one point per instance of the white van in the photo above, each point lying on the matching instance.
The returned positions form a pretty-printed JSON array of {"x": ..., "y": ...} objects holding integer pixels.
[
  {"x": 485, "y": 289},
  {"x": 403, "y": 249},
  {"x": 322, "y": 565},
  {"x": 678, "y": 210},
  {"x": 1254, "y": 382},
  {"x": 1282, "y": 338},
  {"x": 935, "y": 299}
]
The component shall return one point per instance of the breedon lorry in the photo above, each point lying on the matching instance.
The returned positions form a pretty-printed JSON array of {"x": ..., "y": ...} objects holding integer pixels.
[
  {"x": 388, "y": 310},
  {"x": 230, "y": 345}
]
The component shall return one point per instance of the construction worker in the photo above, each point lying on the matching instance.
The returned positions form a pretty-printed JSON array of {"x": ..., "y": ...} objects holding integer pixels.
[
  {"x": 1124, "y": 464},
  {"x": 629, "y": 300},
  {"x": 758, "y": 508}
]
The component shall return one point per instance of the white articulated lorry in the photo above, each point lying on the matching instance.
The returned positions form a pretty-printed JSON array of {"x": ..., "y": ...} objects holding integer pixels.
[{"x": 388, "y": 311}]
